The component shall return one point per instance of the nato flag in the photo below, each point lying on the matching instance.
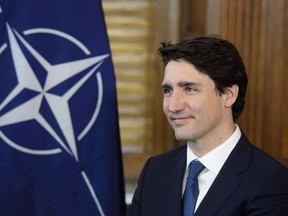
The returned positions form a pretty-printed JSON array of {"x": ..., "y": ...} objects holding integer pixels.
[{"x": 59, "y": 135}]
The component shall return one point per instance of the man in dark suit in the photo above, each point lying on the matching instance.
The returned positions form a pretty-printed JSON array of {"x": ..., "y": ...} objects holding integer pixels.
[{"x": 204, "y": 88}]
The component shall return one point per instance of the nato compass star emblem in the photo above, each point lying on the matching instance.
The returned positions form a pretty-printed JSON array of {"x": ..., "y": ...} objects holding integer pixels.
[{"x": 30, "y": 108}]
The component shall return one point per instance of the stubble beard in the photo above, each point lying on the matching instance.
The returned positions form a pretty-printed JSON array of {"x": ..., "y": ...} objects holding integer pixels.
[{"x": 183, "y": 135}]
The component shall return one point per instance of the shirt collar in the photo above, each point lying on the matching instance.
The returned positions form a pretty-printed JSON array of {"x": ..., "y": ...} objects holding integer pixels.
[{"x": 215, "y": 159}]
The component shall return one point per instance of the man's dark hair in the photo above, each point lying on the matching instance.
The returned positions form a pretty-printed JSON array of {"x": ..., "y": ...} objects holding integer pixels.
[{"x": 214, "y": 56}]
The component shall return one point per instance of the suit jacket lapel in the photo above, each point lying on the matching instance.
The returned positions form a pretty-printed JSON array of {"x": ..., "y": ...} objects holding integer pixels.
[
  {"x": 227, "y": 180},
  {"x": 173, "y": 183}
]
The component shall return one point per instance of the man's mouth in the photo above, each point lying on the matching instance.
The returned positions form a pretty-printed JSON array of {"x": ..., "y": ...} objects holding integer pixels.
[{"x": 180, "y": 120}]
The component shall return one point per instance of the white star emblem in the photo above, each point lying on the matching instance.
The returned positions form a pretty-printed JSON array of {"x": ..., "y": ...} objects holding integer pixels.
[{"x": 56, "y": 74}]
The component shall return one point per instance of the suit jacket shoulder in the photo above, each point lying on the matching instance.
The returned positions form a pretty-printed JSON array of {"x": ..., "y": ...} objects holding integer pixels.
[
  {"x": 250, "y": 183},
  {"x": 159, "y": 190}
]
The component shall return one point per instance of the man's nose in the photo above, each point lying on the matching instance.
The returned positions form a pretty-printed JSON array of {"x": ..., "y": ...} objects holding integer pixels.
[{"x": 176, "y": 103}]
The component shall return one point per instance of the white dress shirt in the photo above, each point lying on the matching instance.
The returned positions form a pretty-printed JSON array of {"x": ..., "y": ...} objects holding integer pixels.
[{"x": 213, "y": 162}]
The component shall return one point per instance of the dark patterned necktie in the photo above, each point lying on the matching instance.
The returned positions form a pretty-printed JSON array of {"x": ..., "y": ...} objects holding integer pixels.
[{"x": 192, "y": 190}]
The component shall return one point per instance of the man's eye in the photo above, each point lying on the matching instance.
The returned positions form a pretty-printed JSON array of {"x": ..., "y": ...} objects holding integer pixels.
[
  {"x": 190, "y": 89},
  {"x": 166, "y": 91}
]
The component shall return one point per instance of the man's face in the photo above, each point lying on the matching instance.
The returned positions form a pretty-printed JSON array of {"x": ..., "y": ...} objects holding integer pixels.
[{"x": 193, "y": 107}]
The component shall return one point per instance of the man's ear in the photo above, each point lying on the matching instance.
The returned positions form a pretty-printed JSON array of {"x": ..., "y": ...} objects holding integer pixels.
[{"x": 231, "y": 94}]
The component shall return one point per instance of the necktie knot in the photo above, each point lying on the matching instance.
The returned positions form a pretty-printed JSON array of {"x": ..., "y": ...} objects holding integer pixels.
[{"x": 195, "y": 168}]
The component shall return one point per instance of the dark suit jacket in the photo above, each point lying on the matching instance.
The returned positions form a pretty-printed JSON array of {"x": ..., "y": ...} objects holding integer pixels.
[{"x": 249, "y": 183}]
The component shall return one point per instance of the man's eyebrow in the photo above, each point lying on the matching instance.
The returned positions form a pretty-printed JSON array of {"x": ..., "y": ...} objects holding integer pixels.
[
  {"x": 180, "y": 84},
  {"x": 166, "y": 85},
  {"x": 186, "y": 83}
]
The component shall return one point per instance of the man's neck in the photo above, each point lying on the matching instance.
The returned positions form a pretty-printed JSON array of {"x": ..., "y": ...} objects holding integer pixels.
[{"x": 203, "y": 146}]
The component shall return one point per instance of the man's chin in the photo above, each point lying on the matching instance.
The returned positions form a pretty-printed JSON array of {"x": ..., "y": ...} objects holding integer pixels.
[{"x": 181, "y": 137}]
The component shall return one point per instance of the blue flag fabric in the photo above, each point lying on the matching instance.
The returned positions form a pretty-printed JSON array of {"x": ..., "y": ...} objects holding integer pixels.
[{"x": 59, "y": 136}]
